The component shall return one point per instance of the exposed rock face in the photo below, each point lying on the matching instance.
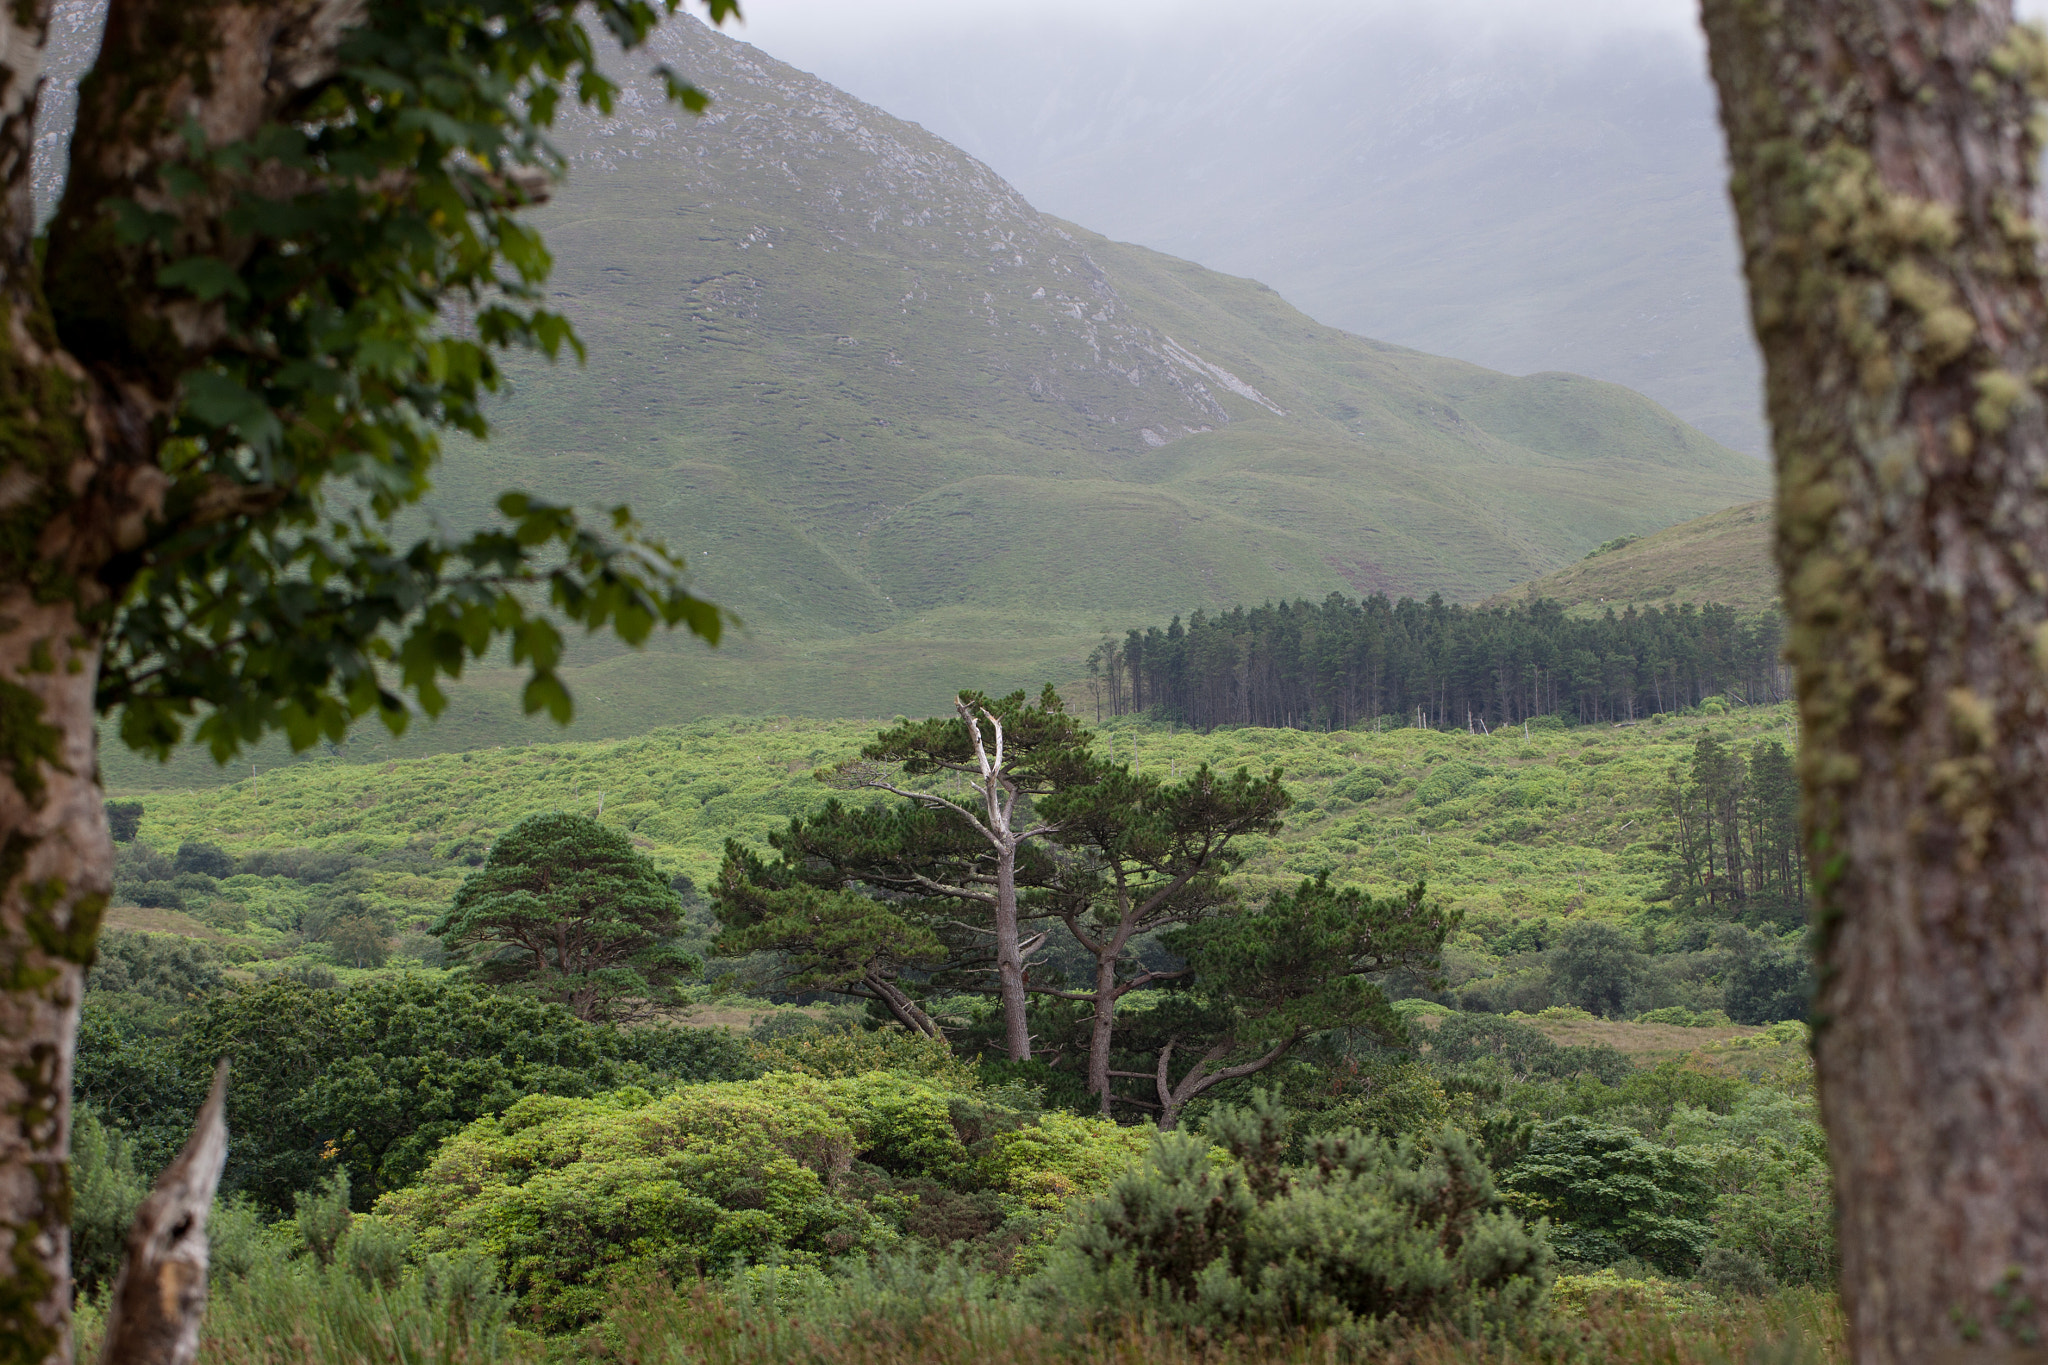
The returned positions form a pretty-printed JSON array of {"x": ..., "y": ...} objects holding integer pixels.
[{"x": 828, "y": 173}]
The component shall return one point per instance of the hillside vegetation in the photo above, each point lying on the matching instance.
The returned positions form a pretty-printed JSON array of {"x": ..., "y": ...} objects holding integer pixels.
[
  {"x": 1614, "y": 1045},
  {"x": 1724, "y": 558},
  {"x": 898, "y": 419},
  {"x": 1553, "y": 824}
]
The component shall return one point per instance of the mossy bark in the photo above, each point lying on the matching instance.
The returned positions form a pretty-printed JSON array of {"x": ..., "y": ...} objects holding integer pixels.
[{"x": 1882, "y": 157}]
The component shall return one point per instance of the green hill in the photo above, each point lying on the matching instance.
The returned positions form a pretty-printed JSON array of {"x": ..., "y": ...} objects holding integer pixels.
[
  {"x": 920, "y": 436},
  {"x": 1725, "y": 557},
  {"x": 1545, "y": 823}
]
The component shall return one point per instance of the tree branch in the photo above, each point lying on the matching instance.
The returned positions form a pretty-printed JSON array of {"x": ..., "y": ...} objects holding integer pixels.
[{"x": 160, "y": 1294}]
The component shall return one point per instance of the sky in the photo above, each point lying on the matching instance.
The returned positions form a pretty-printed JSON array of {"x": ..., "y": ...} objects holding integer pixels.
[
  {"x": 807, "y": 32},
  {"x": 814, "y": 25}
]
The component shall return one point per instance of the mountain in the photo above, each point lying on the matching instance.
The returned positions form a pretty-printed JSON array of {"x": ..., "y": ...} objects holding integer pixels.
[
  {"x": 1725, "y": 557},
  {"x": 1509, "y": 189},
  {"x": 921, "y": 436}
]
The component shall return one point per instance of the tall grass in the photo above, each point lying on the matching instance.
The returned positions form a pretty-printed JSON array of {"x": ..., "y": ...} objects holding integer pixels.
[
  {"x": 301, "y": 1313},
  {"x": 884, "y": 1318}
]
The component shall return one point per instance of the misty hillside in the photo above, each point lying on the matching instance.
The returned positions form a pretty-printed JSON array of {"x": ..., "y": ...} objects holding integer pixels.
[
  {"x": 871, "y": 390},
  {"x": 920, "y": 436},
  {"x": 1517, "y": 194}
]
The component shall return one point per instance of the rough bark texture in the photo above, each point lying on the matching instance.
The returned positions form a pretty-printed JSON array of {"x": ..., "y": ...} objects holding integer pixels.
[
  {"x": 80, "y": 487},
  {"x": 1883, "y": 156},
  {"x": 160, "y": 1297}
]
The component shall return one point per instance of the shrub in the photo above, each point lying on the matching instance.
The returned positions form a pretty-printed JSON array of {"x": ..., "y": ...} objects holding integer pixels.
[
  {"x": 1522, "y": 1050},
  {"x": 1685, "y": 1018},
  {"x": 155, "y": 895},
  {"x": 105, "y": 1190},
  {"x": 1398, "y": 1100},
  {"x": 566, "y": 1193},
  {"x": 815, "y": 1052},
  {"x": 207, "y": 860},
  {"x": 1369, "y": 1238},
  {"x": 1465, "y": 1038},
  {"x": 322, "y": 1217},
  {"x": 1447, "y": 781},
  {"x": 1608, "y": 1291},
  {"x": 1614, "y": 1194},
  {"x": 1766, "y": 980},
  {"x": 159, "y": 967},
  {"x": 1045, "y": 1166},
  {"x": 1597, "y": 967},
  {"x": 124, "y": 820},
  {"x": 385, "y": 1071}
]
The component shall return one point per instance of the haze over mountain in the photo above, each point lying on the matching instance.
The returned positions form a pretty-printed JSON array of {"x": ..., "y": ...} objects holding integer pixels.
[
  {"x": 921, "y": 436},
  {"x": 1529, "y": 188}
]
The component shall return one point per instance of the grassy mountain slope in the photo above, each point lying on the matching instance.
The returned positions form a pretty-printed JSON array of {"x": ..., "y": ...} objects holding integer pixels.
[
  {"x": 922, "y": 437},
  {"x": 1725, "y": 557},
  {"x": 889, "y": 410},
  {"x": 1485, "y": 182}
]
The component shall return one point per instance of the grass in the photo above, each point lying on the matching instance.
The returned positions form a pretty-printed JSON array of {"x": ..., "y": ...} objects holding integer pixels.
[
  {"x": 300, "y": 1317},
  {"x": 1553, "y": 824},
  {"x": 1725, "y": 558}
]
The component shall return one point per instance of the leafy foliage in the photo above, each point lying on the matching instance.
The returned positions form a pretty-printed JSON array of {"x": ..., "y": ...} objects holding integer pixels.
[
  {"x": 1369, "y": 1238},
  {"x": 787, "y": 1170},
  {"x": 384, "y": 1073},
  {"x": 124, "y": 818},
  {"x": 105, "y": 1191},
  {"x": 1597, "y": 968},
  {"x": 274, "y": 593},
  {"x": 1615, "y": 1194},
  {"x": 568, "y": 908}
]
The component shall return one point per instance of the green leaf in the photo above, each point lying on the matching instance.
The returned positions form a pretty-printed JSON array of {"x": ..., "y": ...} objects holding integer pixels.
[{"x": 207, "y": 277}]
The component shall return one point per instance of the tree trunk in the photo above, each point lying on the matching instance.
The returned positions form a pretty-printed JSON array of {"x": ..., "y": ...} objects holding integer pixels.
[
  {"x": 56, "y": 863},
  {"x": 1009, "y": 954},
  {"x": 899, "y": 1004},
  {"x": 1103, "y": 1028},
  {"x": 1882, "y": 172},
  {"x": 160, "y": 1296}
]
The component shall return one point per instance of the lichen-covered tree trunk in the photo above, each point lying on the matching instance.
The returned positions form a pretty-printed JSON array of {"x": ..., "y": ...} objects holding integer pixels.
[
  {"x": 56, "y": 859},
  {"x": 1882, "y": 157}
]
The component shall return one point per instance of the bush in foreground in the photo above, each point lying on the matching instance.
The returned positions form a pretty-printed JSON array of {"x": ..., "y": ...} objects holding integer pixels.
[
  {"x": 789, "y": 1170},
  {"x": 1370, "y": 1239}
]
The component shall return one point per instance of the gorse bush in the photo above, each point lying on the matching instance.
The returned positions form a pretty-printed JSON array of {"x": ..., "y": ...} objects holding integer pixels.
[{"x": 1369, "y": 1238}]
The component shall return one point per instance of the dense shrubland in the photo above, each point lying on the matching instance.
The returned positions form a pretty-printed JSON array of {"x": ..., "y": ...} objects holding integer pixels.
[
  {"x": 480, "y": 1177},
  {"x": 1546, "y": 1111}
]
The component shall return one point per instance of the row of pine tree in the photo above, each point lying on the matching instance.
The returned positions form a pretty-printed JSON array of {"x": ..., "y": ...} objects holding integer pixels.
[{"x": 1376, "y": 662}]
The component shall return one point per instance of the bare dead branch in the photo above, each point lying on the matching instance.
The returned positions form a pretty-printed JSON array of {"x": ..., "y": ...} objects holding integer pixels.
[{"x": 160, "y": 1296}]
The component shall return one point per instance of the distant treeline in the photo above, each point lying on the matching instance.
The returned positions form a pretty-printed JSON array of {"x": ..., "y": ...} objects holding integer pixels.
[{"x": 1348, "y": 663}]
